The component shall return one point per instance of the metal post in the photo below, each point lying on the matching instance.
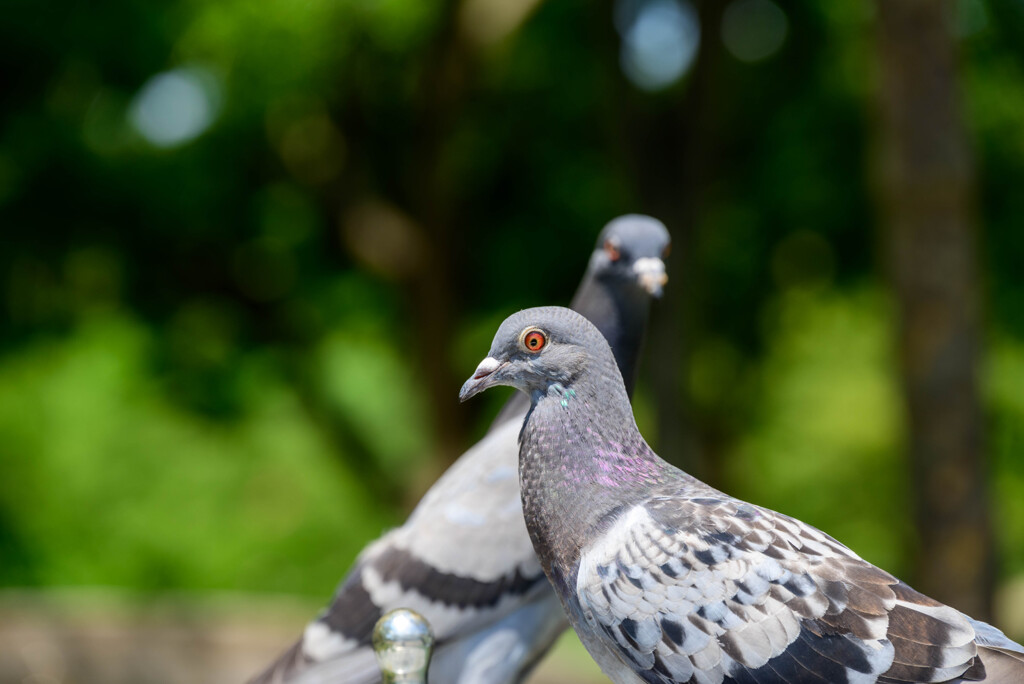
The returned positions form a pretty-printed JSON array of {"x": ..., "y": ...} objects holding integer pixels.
[{"x": 403, "y": 641}]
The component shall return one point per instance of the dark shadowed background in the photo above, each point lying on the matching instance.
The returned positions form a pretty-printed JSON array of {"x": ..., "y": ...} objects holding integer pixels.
[{"x": 250, "y": 251}]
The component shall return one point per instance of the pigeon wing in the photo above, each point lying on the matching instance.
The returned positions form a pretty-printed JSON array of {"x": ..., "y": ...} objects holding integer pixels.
[{"x": 709, "y": 589}]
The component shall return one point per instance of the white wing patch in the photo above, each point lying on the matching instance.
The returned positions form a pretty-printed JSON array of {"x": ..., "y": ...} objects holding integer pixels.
[
  {"x": 684, "y": 606},
  {"x": 471, "y": 522},
  {"x": 320, "y": 642}
]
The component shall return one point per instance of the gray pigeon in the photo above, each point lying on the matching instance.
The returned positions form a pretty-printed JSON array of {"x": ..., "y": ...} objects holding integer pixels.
[
  {"x": 666, "y": 579},
  {"x": 463, "y": 559}
]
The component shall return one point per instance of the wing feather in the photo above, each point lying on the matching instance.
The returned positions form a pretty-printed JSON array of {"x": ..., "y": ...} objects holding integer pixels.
[{"x": 712, "y": 589}]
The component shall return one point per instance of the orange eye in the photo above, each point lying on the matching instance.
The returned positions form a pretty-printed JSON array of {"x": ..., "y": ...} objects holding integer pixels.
[
  {"x": 611, "y": 250},
  {"x": 534, "y": 340}
]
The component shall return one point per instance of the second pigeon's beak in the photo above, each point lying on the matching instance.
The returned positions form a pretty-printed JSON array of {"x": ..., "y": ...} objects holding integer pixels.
[
  {"x": 650, "y": 273},
  {"x": 483, "y": 377}
]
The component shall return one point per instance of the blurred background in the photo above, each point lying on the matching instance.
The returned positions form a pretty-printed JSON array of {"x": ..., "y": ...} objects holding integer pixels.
[{"x": 251, "y": 250}]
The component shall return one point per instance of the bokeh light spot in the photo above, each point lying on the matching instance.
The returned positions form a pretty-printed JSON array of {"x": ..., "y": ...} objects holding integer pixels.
[
  {"x": 659, "y": 42},
  {"x": 753, "y": 30},
  {"x": 175, "y": 106}
]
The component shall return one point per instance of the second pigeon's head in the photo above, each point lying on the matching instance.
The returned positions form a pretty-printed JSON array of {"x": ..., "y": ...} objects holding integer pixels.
[
  {"x": 632, "y": 249},
  {"x": 536, "y": 349}
]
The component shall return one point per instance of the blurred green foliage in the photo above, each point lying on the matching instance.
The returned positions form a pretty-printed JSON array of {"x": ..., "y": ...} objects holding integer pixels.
[
  {"x": 829, "y": 433},
  {"x": 213, "y": 372},
  {"x": 112, "y": 484}
]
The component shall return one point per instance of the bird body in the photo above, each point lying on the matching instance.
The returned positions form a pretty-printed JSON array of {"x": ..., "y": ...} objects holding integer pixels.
[
  {"x": 490, "y": 607},
  {"x": 464, "y": 559},
  {"x": 668, "y": 580}
]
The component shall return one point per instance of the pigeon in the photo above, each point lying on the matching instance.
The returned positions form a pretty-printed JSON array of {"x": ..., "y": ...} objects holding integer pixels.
[
  {"x": 668, "y": 580},
  {"x": 463, "y": 559}
]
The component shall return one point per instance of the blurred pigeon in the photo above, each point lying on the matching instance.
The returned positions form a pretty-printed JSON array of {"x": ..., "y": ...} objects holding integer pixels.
[
  {"x": 463, "y": 559},
  {"x": 666, "y": 579}
]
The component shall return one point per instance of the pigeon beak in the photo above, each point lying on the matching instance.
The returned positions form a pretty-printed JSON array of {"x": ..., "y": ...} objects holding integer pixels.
[
  {"x": 650, "y": 273},
  {"x": 483, "y": 377}
]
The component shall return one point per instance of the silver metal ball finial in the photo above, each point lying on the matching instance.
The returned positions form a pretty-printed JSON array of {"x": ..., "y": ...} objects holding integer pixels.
[{"x": 403, "y": 641}]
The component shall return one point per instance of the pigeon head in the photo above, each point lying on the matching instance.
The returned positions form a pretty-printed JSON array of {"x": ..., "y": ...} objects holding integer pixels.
[
  {"x": 631, "y": 249},
  {"x": 537, "y": 349}
]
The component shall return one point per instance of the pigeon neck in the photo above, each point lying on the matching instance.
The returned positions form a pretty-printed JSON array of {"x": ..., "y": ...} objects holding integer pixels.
[
  {"x": 581, "y": 456},
  {"x": 619, "y": 310}
]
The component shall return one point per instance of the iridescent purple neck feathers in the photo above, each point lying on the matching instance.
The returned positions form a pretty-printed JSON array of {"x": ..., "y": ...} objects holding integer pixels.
[{"x": 581, "y": 455}]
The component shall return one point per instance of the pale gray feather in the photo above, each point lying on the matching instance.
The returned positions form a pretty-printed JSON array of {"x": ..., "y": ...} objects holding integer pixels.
[{"x": 464, "y": 558}]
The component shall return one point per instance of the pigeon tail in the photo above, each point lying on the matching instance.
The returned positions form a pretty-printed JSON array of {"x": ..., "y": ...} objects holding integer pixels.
[
  {"x": 278, "y": 672},
  {"x": 1003, "y": 658}
]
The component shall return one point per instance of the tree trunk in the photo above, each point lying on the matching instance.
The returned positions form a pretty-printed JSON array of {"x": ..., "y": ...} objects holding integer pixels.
[
  {"x": 442, "y": 90},
  {"x": 925, "y": 191},
  {"x": 674, "y": 150}
]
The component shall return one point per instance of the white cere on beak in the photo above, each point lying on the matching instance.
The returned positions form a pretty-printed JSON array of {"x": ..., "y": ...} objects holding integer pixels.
[
  {"x": 650, "y": 272},
  {"x": 486, "y": 367}
]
